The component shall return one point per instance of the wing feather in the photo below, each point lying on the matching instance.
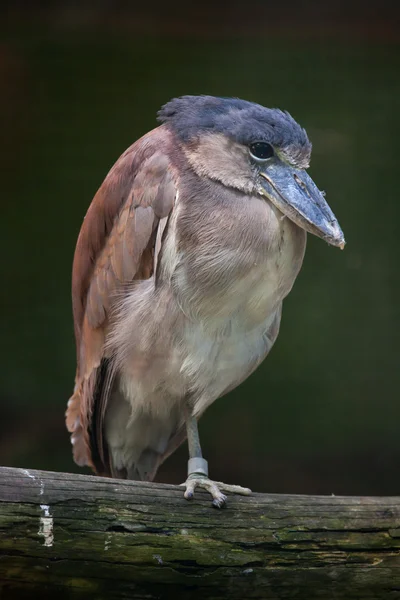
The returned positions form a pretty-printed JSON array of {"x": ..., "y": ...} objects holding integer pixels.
[{"x": 116, "y": 245}]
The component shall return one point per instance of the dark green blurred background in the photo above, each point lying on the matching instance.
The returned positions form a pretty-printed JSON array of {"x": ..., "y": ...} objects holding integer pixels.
[{"x": 79, "y": 83}]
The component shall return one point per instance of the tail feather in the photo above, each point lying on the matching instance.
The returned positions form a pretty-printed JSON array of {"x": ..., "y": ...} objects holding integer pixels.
[{"x": 85, "y": 419}]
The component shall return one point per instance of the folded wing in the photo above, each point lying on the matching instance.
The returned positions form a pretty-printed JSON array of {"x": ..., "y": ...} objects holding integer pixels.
[{"x": 116, "y": 245}]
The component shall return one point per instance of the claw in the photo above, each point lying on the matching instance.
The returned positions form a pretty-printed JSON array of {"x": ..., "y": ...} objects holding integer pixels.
[
  {"x": 219, "y": 502},
  {"x": 213, "y": 487}
]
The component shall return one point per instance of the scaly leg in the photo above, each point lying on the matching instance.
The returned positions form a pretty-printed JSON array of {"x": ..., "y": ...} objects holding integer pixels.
[{"x": 198, "y": 469}]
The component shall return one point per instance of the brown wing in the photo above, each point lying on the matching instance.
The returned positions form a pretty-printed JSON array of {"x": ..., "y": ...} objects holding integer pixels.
[{"x": 116, "y": 245}]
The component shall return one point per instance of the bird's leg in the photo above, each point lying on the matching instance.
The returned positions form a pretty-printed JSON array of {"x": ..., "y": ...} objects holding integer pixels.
[{"x": 198, "y": 468}]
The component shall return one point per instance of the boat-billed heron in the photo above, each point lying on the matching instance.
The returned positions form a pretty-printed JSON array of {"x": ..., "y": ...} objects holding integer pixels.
[{"x": 183, "y": 260}]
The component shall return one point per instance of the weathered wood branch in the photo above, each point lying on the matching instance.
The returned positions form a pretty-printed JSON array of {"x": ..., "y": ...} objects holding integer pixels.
[{"x": 76, "y": 536}]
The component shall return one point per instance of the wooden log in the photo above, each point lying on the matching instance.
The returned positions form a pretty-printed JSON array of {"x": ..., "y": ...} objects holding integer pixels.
[{"x": 77, "y": 536}]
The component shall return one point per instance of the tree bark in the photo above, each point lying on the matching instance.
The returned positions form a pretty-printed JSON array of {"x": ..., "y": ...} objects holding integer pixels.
[{"x": 77, "y": 536}]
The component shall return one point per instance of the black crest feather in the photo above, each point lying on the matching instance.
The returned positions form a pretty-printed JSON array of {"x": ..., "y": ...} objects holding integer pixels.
[{"x": 243, "y": 121}]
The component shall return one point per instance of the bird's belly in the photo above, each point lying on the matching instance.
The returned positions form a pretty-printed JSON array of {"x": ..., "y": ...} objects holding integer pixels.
[
  {"x": 193, "y": 360},
  {"x": 232, "y": 322},
  {"x": 210, "y": 365},
  {"x": 209, "y": 327}
]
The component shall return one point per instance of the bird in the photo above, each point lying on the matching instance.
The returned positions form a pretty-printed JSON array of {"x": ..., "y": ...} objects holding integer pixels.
[{"x": 182, "y": 263}]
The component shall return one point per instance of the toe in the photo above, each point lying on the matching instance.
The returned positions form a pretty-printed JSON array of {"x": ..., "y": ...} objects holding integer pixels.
[
  {"x": 234, "y": 489},
  {"x": 219, "y": 499},
  {"x": 190, "y": 487}
]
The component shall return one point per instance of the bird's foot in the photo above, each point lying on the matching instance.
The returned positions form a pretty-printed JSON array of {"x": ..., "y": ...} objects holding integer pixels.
[{"x": 215, "y": 488}]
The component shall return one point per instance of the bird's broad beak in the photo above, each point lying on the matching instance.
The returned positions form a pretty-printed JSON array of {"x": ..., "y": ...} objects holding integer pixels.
[{"x": 295, "y": 194}]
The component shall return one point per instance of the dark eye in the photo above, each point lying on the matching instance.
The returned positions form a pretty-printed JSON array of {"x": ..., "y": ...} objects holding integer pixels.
[{"x": 261, "y": 150}]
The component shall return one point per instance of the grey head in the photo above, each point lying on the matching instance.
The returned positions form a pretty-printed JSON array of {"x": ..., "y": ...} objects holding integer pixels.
[{"x": 255, "y": 149}]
